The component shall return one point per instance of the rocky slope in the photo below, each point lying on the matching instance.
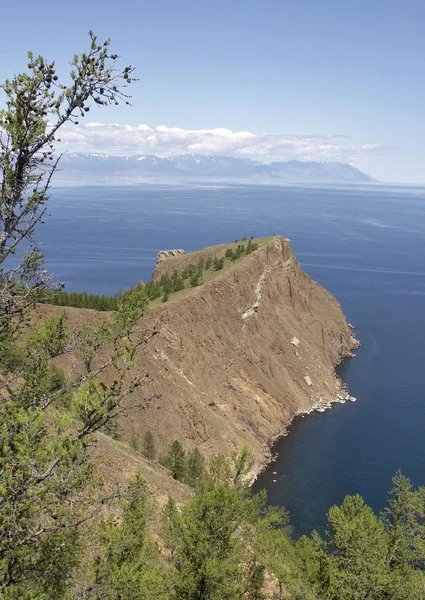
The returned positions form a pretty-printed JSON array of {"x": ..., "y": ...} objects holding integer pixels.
[
  {"x": 238, "y": 357},
  {"x": 235, "y": 359}
]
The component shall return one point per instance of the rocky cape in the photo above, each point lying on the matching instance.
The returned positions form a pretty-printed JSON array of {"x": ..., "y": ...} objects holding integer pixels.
[{"x": 234, "y": 360}]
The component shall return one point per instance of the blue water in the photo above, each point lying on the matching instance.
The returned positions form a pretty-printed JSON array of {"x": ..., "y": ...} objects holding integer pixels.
[{"x": 365, "y": 244}]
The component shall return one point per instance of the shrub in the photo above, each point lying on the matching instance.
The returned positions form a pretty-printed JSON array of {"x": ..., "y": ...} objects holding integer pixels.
[
  {"x": 218, "y": 264},
  {"x": 195, "y": 280}
]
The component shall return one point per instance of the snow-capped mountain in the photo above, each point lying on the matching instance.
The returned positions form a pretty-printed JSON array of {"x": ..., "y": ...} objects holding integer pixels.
[{"x": 201, "y": 166}]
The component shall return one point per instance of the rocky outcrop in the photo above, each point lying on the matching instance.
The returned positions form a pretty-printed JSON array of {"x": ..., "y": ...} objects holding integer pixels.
[
  {"x": 165, "y": 254},
  {"x": 237, "y": 358}
]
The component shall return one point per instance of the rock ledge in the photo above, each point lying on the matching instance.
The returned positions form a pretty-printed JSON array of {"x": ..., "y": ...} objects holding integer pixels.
[{"x": 164, "y": 254}]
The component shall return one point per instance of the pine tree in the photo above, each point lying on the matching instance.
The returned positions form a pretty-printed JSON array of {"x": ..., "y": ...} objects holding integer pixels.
[
  {"x": 195, "y": 468},
  {"x": 128, "y": 564},
  {"x": 175, "y": 460},
  {"x": 212, "y": 540},
  {"x": 149, "y": 446},
  {"x": 195, "y": 280},
  {"x": 218, "y": 264},
  {"x": 44, "y": 467}
]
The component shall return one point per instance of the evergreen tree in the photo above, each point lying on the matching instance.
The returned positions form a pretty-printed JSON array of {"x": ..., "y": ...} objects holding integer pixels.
[
  {"x": 218, "y": 264},
  {"x": 44, "y": 468},
  {"x": 212, "y": 541},
  {"x": 207, "y": 556},
  {"x": 366, "y": 556},
  {"x": 195, "y": 468},
  {"x": 178, "y": 284},
  {"x": 175, "y": 460},
  {"x": 149, "y": 446},
  {"x": 195, "y": 280},
  {"x": 128, "y": 565}
]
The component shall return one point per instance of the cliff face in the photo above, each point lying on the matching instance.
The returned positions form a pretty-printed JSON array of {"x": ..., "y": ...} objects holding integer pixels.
[{"x": 237, "y": 358}]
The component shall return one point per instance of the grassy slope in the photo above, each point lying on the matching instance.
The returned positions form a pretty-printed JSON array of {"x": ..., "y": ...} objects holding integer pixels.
[{"x": 209, "y": 275}]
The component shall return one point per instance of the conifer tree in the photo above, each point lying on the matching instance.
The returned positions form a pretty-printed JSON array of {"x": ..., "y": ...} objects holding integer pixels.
[
  {"x": 128, "y": 565},
  {"x": 195, "y": 468},
  {"x": 212, "y": 540},
  {"x": 175, "y": 460},
  {"x": 149, "y": 449},
  {"x": 45, "y": 495}
]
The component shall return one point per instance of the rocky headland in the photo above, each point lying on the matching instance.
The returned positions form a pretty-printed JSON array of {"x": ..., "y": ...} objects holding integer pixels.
[{"x": 235, "y": 359}]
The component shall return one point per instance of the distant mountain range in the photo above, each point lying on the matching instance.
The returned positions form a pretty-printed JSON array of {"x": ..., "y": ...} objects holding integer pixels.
[{"x": 199, "y": 166}]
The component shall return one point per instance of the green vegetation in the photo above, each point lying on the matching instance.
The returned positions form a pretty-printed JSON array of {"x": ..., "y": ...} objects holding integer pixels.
[
  {"x": 241, "y": 250},
  {"x": 127, "y": 564},
  {"x": 195, "y": 468},
  {"x": 366, "y": 556},
  {"x": 83, "y": 300},
  {"x": 191, "y": 276},
  {"x": 213, "y": 538},
  {"x": 190, "y": 468},
  {"x": 225, "y": 543},
  {"x": 61, "y": 537},
  {"x": 149, "y": 449},
  {"x": 48, "y": 420},
  {"x": 175, "y": 460},
  {"x": 218, "y": 264}
]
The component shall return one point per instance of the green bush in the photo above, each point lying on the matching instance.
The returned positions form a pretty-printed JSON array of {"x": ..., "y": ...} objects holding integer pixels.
[{"x": 218, "y": 264}]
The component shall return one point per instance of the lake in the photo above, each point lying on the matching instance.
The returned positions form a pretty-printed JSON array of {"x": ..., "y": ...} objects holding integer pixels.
[{"x": 366, "y": 244}]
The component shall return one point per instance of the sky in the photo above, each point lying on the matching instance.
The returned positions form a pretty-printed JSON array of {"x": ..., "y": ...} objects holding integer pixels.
[{"x": 261, "y": 79}]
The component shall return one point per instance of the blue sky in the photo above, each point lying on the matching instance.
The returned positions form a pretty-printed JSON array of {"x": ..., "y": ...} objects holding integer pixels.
[{"x": 324, "y": 79}]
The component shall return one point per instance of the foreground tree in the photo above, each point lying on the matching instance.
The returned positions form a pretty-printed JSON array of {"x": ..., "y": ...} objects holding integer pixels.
[
  {"x": 367, "y": 557},
  {"x": 44, "y": 458},
  {"x": 128, "y": 565},
  {"x": 217, "y": 541},
  {"x": 38, "y": 105}
]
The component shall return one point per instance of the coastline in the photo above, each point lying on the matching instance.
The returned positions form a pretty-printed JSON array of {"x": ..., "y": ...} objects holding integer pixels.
[{"x": 320, "y": 404}]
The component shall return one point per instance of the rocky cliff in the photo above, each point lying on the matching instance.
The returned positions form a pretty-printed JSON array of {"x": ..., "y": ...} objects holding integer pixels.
[{"x": 238, "y": 357}]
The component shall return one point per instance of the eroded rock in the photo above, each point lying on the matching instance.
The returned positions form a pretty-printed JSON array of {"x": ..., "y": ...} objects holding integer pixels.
[{"x": 164, "y": 254}]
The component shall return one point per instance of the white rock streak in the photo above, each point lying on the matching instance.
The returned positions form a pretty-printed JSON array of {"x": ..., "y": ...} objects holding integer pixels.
[{"x": 258, "y": 288}]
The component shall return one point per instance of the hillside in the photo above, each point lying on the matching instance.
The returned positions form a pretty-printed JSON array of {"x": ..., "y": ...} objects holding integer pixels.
[
  {"x": 235, "y": 359},
  {"x": 198, "y": 166}
]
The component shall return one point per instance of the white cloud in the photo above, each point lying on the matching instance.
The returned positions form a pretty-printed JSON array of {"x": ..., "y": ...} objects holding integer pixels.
[{"x": 128, "y": 140}]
